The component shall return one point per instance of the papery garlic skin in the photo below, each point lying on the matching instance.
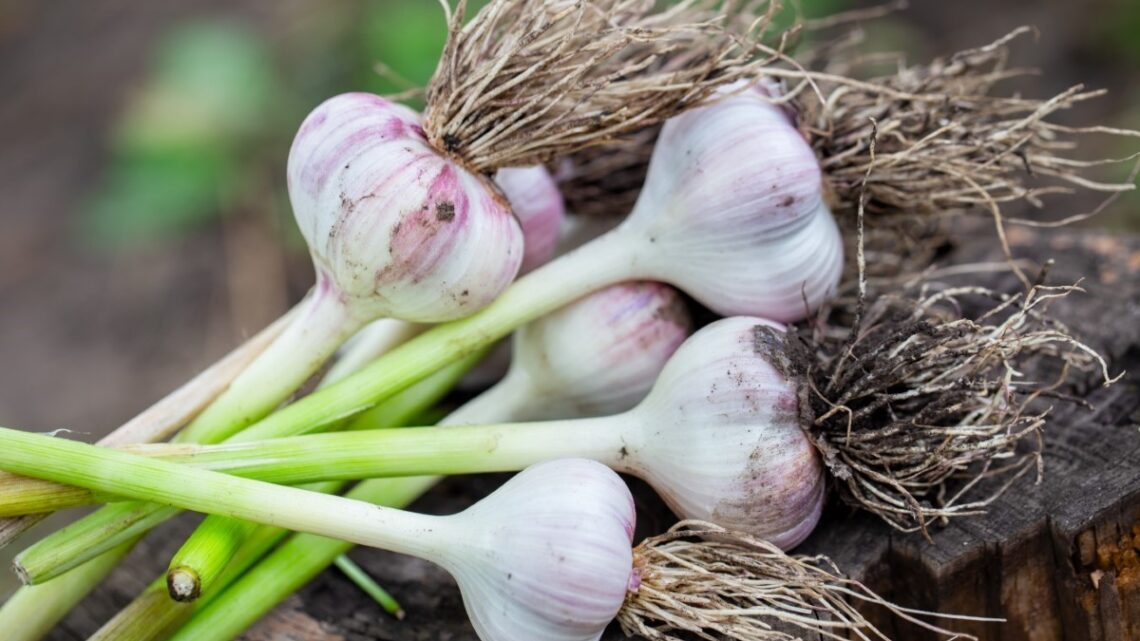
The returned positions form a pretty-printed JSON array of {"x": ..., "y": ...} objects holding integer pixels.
[
  {"x": 595, "y": 357},
  {"x": 546, "y": 556},
  {"x": 538, "y": 205},
  {"x": 540, "y": 208},
  {"x": 721, "y": 439},
  {"x": 736, "y": 180},
  {"x": 399, "y": 227}
]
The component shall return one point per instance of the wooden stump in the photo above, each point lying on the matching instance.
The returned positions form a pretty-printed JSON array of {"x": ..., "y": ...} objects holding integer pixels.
[{"x": 1058, "y": 560}]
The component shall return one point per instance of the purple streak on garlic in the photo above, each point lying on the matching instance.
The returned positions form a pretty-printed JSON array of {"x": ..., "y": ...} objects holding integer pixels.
[
  {"x": 546, "y": 556},
  {"x": 398, "y": 226},
  {"x": 540, "y": 208},
  {"x": 538, "y": 205},
  {"x": 595, "y": 357},
  {"x": 720, "y": 438},
  {"x": 735, "y": 190}
]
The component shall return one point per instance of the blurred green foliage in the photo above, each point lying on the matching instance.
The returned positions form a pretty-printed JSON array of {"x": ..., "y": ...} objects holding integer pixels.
[
  {"x": 215, "y": 116},
  {"x": 180, "y": 146}
]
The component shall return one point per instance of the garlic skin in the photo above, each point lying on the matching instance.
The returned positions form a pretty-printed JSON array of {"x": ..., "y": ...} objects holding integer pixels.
[
  {"x": 538, "y": 205},
  {"x": 720, "y": 437},
  {"x": 547, "y": 555},
  {"x": 735, "y": 188},
  {"x": 595, "y": 357},
  {"x": 540, "y": 208},
  {"x": 403, "y": 230}
]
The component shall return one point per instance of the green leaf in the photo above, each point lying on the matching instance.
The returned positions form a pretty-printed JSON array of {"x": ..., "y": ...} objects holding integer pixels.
[
  {"x": 152, "y": 197},
  {"x": 213, "y": 84}
]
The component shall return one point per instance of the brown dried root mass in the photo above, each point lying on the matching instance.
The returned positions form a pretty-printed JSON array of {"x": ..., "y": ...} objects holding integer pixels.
[
  {"x": 948, "y": 140},
  {"x": 924, "y": 410},
  {"x": 526, "y": 81},
  {"x": 605, "y": 181},
  {"x": 702, "y": 581}
]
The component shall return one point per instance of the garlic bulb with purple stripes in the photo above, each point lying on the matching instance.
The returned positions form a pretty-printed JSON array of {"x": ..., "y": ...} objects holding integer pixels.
[
  {"x": 397, "y": 225},
  {"x": 732, "y": 212},
  {"x": 597, "y": 356}
]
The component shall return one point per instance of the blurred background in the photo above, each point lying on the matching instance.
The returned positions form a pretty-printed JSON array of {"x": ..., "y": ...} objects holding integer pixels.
[{"x": 146, "y": 229}]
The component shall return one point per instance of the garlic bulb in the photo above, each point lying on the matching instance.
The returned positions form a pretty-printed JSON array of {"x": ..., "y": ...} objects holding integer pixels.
[
  {"x": 397, "y": 226},
  {"x": 735, "y": 190},
  {"x": 539, "y": 206},
  {"x": 595, "y": 357},
  {"x": 720, "y": 436},
  {"x": 536, "y": 202},
  {"x": 547, "y": 555}
]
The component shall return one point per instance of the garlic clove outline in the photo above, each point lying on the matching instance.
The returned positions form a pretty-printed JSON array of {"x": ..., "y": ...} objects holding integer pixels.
[
  {"x": 597, "y": 356},
  {"x": 721, "y": 439},
  {"x": 547, "y": 555},
  {"x": 399, "y": 228},
  {"x": 735, "y": 189}
]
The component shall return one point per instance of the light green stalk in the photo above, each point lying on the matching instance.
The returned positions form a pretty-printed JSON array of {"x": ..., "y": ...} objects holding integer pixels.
[
  {"x": 190, "y": 488},
  {"x": 153, "y": 616},
  {"x": 67, "y": 548},
  {"x": 603, "y": 262},
  {"x": 369, "y": 586},
  {"x": 286, "y": 569},
  {"x": 213, "y": 550},
  {"x": 35, "y": 609},
  {"x": 322, "y": 323},
  {"x": 208, "y": 550}
]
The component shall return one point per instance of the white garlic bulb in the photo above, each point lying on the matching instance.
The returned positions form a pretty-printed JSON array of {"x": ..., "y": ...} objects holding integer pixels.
[
  {"x": 538, "y": 205},
  {"x": 547, "y": 555},
  {"x": 402, "y": 229},
  {"x": 595, "y": 357},
  {"x": 735, "y": 190},
  {"x": 721, "y": 440}
]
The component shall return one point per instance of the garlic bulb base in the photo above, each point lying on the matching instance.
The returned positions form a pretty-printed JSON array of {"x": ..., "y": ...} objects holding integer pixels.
[
  {"x": 548, "y": 555},
  {"x": 721, "y": 438},
  {"x": 393, "y": 221}
]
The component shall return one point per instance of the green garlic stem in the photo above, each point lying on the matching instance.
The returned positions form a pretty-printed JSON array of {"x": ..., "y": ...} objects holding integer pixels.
[
  {"x": 189, "y": 488},
  {"x": 445, "y": 450},
  {"x": 300, "y": 558},
  {"x": 324, "y": 321},
  {"x": 357, "y": 575},
  {"x": 154, "y": 616},
  {"x": 85, "y": 539},
  {"x": 34, "y": 610},
  {"x": 208, "y": 550},
  {"x": 210, "y": 547},
  {"x": 607, "y": 260}
]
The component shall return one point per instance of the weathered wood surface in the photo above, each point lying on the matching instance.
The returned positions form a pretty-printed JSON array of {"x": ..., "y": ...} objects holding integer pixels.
[{"x": 1059, "y": 560}]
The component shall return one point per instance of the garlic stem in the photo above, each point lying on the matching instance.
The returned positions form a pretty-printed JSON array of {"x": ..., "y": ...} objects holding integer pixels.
[
  {"x": 326, "y": 319},
  {"x": 33, "y": 610},
  {"x": 189, "y": 488},
  {"x": 294, "y": 563},
  {"x": 377, "y": 338},
  {"x": 92, "y": 535},
  {"x": 444, "y": 450},
  {"x": 570, "y": 523}
]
